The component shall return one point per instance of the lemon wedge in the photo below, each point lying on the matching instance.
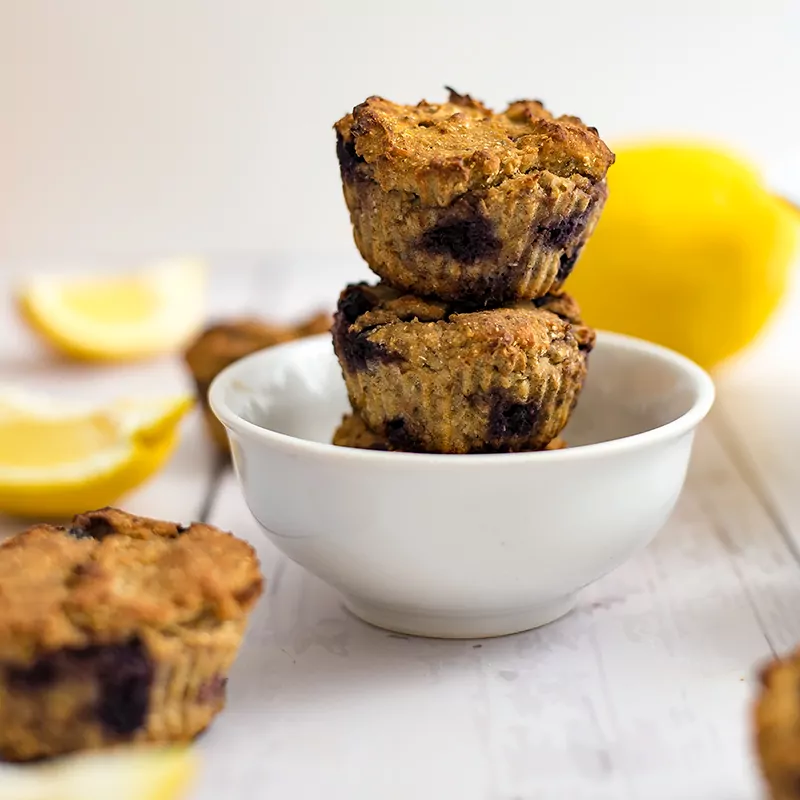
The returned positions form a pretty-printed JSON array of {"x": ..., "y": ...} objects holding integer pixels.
[
  {"x": 118, "y": 318},
  {"x": 58, "y": 460},
  {"x": 118, "y": 775}
]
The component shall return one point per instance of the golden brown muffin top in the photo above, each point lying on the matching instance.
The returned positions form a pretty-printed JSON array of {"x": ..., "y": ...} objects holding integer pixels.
[
  {"x": 440, "y": 151},
  {"x": 225, "y": 342},
  {"x": 400, "y": 322},
  {"x": 110, "y": 575}
]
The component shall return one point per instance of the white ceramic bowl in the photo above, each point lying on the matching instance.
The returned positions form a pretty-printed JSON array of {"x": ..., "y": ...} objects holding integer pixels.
[{"x": 462, "y": 546}]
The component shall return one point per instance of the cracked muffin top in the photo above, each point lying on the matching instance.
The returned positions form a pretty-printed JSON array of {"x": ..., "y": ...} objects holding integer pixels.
[
  {"x": 524, "y": 326},
  {"x": 111, "y": 574},
  {"x": 440, "y": 151}
]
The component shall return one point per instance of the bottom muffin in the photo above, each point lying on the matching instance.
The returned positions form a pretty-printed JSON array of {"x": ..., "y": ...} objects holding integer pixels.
[
  {"x": 353, "y": 432},
  {"x": 777, "y": 718},
  {"x": 117, "y": 629},
  {"x": 439, "y": 377}
]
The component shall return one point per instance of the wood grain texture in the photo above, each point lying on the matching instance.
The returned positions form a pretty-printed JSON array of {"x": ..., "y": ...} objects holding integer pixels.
[{"x": 643, "y": 692}]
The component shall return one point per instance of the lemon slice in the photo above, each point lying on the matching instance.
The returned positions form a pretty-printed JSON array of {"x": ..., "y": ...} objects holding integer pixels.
[
  {"x": 59, "y": 460},
  {"x": 118, "y": 775},
  {"x": 118, "y": 318}
]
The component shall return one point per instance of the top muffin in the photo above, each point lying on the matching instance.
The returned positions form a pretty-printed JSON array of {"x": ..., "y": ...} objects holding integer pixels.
[
  {"x": 111, "y": 575},
  {"x": 440, "y": 151},
  {"x": 456, "y": 201}
]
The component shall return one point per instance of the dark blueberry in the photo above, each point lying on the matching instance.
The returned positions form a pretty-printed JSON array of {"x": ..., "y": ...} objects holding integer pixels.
[
  {"x": 40, "y": 675},
  {"x": 212, "y": 691},
  {"x": 125, "y": 675},
  {"x": 359, "y": 352},
  {"x": 566, "y": 264},
  {"x": 355, "y": 302},
  {"x": 348, "y": 158},
  {"x": 355, "y": 347},
  {"x": 90, "y": 526},
  {"x": 468, "y": 239},
  {"x": 400, "y": 438},
  {"x": 122, "y": 672},
  {"x": 508, "y": 420},
  {"x": 563, "y": 233}
]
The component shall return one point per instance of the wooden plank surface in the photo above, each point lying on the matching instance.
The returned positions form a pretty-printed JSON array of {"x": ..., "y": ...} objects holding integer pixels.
[{"x": 644, "y": 692}]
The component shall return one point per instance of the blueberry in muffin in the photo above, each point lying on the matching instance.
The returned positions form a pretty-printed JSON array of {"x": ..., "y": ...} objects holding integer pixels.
[
  {"x": 431, "y": 376},
  {"x": 117, "y": 629},
  {"x": 353, "y": 432},
  {"x": 455, "y": 201}
]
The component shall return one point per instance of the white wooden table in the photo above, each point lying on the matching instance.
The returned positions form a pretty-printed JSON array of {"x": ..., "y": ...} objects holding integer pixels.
[{"x": 644, "y": 692}]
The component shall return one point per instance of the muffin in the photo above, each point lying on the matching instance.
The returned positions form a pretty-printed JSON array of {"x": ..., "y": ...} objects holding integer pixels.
[
  {"x": 117, "y": 629},
  {"x": 777, "y": 718},
  {"x": 223, "y": 343},
  {"x": 458, "y": 202},
  {"x": 353, "y": 432},
  {"x": 435, "y": 377}
]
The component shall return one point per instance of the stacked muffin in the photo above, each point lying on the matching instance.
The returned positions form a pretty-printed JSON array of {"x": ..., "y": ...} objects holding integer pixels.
[{"x": 473, "y": 220}]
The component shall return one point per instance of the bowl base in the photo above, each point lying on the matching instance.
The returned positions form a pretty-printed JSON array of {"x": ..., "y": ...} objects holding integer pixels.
[{"x": 456, "y": 626}]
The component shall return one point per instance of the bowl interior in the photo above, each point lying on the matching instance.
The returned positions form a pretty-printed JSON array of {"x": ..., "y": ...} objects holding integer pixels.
[{"x": 297, "y": 389}]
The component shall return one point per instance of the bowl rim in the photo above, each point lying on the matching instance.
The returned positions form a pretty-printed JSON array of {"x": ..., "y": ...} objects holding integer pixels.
[{"x": 701, "y": 381}]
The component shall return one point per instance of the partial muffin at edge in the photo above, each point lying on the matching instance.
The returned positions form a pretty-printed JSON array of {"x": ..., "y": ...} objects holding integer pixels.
[
  {"x": 223, "y": 343},
  {"x": 435, "y": 377},
  {"x": 117, "y": 629},
  {"x": 455, "y": 201},
  {"x": 353, "y": 432},
  {"x": 777, "y": 727}
]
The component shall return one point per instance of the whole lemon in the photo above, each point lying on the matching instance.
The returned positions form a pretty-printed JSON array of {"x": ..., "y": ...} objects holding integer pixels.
[{"x": 692, "y": 251}]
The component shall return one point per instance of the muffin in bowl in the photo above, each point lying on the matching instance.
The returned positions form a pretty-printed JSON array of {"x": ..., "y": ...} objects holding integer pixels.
[{"x": 430, "y": 376}]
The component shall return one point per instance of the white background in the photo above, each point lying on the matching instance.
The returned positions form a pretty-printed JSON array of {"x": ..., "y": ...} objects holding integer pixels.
[{"x": 157, "y": 126}]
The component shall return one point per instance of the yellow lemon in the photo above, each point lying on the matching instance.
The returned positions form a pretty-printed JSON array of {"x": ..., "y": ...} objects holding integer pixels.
[
  {"x": 58, "y": 460},
  {"x": 125, "y": 774},
  {"x": 692, "y": 251},
  {"x": 118, "y": 318}
]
